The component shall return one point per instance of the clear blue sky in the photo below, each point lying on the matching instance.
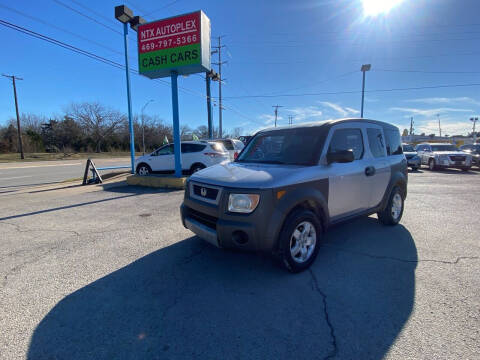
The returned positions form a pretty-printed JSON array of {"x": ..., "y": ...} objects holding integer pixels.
[{"x": 279, "y": 47}]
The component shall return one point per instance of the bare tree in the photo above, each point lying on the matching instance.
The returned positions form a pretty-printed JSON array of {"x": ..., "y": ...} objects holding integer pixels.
[{"x": 97, "y": 121}]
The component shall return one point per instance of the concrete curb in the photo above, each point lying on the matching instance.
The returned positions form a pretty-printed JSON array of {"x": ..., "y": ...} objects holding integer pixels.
[{"x": 157, "y": 181}]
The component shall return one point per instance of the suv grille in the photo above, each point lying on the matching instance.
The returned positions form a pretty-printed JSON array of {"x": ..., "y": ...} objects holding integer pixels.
[
  {"x": 205, "y": 192},
  {"x": 409, "y": 156},
  {"x": 457, "y": 158},
  {"x": 207, "y": 220}
]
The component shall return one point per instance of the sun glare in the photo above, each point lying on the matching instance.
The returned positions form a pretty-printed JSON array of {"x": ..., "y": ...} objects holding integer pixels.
[{"x": 377, "y": 7}]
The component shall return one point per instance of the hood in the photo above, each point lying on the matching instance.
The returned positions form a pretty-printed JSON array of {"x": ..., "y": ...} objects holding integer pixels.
[
  {"x": 243, "y": 175},
  {"x": 410, "y": 153},
  {"x": 449, "y": 153}
]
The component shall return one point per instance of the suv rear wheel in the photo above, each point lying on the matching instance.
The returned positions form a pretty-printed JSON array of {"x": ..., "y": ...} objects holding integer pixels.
[
  {"x": 300, "y": 240},
  {"x": 143, "y": 170},
  {"x": 393, "y": 212},
  {"x": 196, "y": 167}
]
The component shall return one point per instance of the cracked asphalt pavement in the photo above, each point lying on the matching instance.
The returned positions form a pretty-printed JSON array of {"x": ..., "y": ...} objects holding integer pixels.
[{"x": 110, "y": 273}]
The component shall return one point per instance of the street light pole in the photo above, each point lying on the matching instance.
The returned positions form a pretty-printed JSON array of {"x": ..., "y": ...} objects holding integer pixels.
[
  {"x": 474, "y": 120},
  {"x": 125, "y": 16},
  {"x": 364, "y": 69},
  {"x": 129, "y": 98},
  {"x": 143, "y": 124}
]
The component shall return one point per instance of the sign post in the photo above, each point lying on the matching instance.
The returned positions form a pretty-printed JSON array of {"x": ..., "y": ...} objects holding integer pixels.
[
  {"x": 179, "y": 45},
  {"x": 176, "y": 125}
]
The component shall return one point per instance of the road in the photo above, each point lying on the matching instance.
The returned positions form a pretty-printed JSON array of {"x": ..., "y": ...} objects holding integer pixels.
[
  {"x": 88, "y": 272},
  {"x": 19, "y": 174}
]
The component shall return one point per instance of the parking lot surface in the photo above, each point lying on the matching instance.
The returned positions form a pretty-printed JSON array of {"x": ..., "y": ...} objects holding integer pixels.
[{"x": 87, "y": 272}]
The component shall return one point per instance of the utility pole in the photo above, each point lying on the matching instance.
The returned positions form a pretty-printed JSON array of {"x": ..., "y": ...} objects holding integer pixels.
[
  {"x": 276, "y": 112},
  {"x": 474, "y": 120},
  {"x": 411, "y": 125},
  {"x": 19, "y": 130},
  {"x": 210, "y": 75},
  {"x": 219, "y": 63},
  {"x": 439, "y": 127},
  {"x": 143, "y": 124},
  {"x": 290, "y": 119}
]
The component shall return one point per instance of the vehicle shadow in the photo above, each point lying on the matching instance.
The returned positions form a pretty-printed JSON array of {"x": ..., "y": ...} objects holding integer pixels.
[
  {"x": 123, "y": 188},
  {"x": 191, "y": 300},
  {"x": 453, "y": 171}
]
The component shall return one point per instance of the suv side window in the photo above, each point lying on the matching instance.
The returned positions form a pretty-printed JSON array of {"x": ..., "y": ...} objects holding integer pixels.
[
  {"x": 166, "y": 150},
  {"x": 191, "y": 148},
  {"x": 394, "y": 143},
  {"x": 347, "y": 139},
  {"x": 375, "y": 140}
]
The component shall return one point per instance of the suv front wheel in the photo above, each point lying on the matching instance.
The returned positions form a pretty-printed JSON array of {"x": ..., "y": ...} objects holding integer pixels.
[
  {"x": 300, "y": 240},
  {"x": 431, "y": 164},
  {"x": 393, "y": 212}
]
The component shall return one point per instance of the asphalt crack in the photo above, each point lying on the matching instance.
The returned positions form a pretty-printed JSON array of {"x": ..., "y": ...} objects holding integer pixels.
[
  {"x": 19, "y": 229},
  {"x": 316, "y": 287},
  {"x": 383, "y": 257}
]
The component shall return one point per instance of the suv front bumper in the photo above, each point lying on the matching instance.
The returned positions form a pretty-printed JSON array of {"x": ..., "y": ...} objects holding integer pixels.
[{"x": 213, "y": 222}]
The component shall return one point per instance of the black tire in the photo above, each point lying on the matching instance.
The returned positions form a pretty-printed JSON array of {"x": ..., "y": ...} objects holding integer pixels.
[
  {"x": 387, "y": 216},
  {"x": 291, "y": 223},
  {"x": 196, "y": 167},
  {"x": 143, "y": 169},
  {"x": 414, "y": 168},
  {"x": 431, "y": 165},
  {"x": 466, "y": 169}
]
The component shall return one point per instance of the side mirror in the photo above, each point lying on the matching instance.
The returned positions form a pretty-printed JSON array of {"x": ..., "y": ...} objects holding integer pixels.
[{"x": 342, "y": 156}]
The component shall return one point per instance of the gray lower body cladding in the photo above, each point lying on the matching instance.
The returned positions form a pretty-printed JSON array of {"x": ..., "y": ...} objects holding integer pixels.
[{"x": 257, "y": 231}]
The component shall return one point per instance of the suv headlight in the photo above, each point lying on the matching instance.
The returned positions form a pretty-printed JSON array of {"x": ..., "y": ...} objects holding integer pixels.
[{"x": 243, "y": 203}]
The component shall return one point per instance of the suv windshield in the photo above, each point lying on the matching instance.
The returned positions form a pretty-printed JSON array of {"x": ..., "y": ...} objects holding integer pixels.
[
  {"x": 292, "y": 147},
  {"x": 408, "y": 148},
  {"x": 446, "y": 147}
]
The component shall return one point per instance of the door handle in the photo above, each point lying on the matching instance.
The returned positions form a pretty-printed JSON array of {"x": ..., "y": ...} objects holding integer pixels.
[{"x": 369, "y": 171}]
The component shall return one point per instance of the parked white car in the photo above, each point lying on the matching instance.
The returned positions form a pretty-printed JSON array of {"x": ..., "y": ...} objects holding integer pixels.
[
  {"x": 196, "y": 155},
  {"x": 233, "y": 146},
  {"x": 442, "y": 156}
]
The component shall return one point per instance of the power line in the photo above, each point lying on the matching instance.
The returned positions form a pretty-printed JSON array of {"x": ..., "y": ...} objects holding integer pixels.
[
  {"x": 59, "y": 28},
  {"x": 161, "y": 8},
  {"x": 84, "y": 52},
  {"x": 428, "y": 72},
  {"x": 355, "y": 91},
  {"x": 86, "y": 16},
  {"x": 78, "y": 3},
  {"x": 316, "y": 83}
]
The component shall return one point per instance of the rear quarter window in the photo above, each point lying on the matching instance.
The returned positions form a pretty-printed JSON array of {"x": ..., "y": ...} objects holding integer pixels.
[
  {"x": 227, "y": 143},
  {"x": 393, "y": 142},
  {"x": 217, "y": 146}
]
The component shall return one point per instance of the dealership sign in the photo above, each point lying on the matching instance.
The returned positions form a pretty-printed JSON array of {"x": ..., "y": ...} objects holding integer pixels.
[{"x": 178, "y": 44}]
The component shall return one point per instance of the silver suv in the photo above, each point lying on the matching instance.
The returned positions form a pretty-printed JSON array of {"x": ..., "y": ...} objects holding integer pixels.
[
  {"x": 288, "y": 185},
  {"x": 441, "y": 156}
]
